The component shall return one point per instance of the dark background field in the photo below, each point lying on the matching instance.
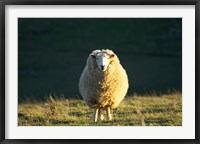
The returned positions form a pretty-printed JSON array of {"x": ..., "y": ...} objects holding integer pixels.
[{"x": 52, "y": 53}]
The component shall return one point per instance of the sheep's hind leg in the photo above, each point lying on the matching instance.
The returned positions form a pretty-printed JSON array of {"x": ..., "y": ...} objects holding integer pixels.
[
  {"x": 108, "y": 113},
  {"x": 95, "y": 115},
  {"x": 101, "y": 116}
]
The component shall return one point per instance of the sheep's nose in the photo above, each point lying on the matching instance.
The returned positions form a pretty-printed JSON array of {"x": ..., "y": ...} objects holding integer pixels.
[{"x": 102, "y": 67}]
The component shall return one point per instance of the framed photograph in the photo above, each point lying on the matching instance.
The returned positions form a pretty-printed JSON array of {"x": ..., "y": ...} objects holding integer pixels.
[{"x": 99, "y": 71}]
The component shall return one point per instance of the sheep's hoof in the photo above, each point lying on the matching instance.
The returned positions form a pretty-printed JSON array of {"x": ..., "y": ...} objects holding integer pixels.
[{"x": 109, "y": 119}]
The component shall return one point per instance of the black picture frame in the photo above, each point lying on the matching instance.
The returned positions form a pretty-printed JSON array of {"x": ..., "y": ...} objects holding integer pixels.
[{"x": 3, "y": 4}]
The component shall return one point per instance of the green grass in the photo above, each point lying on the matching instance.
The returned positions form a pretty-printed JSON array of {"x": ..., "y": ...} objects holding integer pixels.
[{"x": 149, "y": 110}]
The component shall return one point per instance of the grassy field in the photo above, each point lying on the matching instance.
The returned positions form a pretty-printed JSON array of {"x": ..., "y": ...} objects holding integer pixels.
[{"x": 148, "y": 110}]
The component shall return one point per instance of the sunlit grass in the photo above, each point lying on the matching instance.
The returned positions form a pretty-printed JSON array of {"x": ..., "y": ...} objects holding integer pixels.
[{"x": 149, "y": 110}]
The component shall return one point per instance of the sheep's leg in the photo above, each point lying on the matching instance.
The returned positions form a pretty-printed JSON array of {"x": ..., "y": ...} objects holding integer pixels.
[
  {"x": 101, "y": 116},
  {"x": 95, "y": 115},
  {"x": 108, "y": 113}
]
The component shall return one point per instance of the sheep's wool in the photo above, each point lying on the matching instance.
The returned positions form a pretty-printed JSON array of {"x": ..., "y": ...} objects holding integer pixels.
[{"x": 103, "y": 89}]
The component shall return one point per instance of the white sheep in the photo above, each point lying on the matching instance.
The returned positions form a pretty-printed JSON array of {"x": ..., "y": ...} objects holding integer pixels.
[{"x": 103, "y": 83}]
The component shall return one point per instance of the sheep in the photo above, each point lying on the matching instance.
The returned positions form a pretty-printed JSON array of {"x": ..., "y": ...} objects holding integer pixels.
[{"x": 103, "y": 83}]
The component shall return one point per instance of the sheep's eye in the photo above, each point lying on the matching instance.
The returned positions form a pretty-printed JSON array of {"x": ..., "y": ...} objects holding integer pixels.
[
  {"x": 112, "y": 55},
  {"x": 93, "y": 56}
]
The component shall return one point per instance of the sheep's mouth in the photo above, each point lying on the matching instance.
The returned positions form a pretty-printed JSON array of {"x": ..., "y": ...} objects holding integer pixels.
[{"x": 103, "y": 69}]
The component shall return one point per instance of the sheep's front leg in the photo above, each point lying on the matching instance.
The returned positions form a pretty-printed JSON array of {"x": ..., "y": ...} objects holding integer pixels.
[
  {"x": 95, "y": 114},
  {"x": 108, "y": 113}
]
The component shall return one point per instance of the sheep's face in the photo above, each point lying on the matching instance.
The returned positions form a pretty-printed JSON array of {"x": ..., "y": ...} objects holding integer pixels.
[{"x": 103, "y": 60}]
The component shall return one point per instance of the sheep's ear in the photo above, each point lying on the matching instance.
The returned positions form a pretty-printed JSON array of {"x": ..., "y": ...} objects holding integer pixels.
[
  {"x": 112, "y": 55},
  {"x": 93, "y": 56}
]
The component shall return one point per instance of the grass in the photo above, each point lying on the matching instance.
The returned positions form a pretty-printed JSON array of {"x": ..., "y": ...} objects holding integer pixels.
[{"x": 148, "y": 110}]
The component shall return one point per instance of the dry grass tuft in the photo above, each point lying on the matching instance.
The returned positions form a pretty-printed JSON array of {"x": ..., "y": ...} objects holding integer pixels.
[
  {"x": 51, "y": 110},
  {"x": 141, "y": 117}
]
